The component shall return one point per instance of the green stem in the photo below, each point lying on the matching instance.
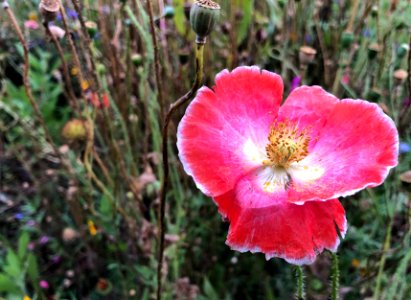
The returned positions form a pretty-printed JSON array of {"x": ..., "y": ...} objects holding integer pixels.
[
  {"x": 300, "y": 283},
  {"x": 335, "y": 277},
  {"x": 386, "y": 247}
]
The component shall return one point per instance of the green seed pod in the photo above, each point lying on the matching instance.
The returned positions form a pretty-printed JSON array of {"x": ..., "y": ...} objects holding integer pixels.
[
  {"x": 169, "y": 12},
  {"x": 91, "y": 28},
  {"x": 402, "y": 50},
  {"x": 374, "y": 11},
  {"x": 204, "y": 14},
  {"x": 347, "y": 38},
  {"x": 373, "y": 50},
  {"x": 137, "y": 59}
]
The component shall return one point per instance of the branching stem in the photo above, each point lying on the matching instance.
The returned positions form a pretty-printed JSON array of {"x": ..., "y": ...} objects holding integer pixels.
[{"x": 164, "y": 183}]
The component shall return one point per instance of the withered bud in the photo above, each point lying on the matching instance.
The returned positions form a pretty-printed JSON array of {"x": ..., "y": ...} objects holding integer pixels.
[
  {"x": 306, "y": 55},
  {"x": 49, "y": 9}
]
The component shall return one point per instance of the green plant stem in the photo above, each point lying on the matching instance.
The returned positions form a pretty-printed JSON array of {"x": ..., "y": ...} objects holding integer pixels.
[
  {"x": 300, "y": 283},
  {"x": 164, "y": 182},
  {"x": 387, "y": 243},
  {"x": 156, "y": 58},
  {"x": 335, "y": 277}
]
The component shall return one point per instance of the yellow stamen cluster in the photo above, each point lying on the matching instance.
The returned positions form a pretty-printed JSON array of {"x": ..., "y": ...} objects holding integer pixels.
[{"x": 287, "y": 144}]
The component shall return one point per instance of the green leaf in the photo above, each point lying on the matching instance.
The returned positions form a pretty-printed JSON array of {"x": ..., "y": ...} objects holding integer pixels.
[
  {"x": 179, "y": 17},
  {"x": 246, "y": 8},
  {"x": 32, "y": 268},
  {"x": 209, "y": 291},
  {"x": 23, "y": 242},
  {"x": 13, "y": 265},
  {"x": 7, "y": 284}
]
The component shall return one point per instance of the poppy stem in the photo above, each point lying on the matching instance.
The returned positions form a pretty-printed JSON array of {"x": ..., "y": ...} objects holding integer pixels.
[
  {"x": 164, "y": 182},
  {"x": 300, "y": 283},
  {"x": 335, "y": 277}
]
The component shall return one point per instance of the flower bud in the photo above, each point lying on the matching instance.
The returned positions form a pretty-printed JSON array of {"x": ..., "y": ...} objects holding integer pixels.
[
  {"x": 49, "y": 9},
  {"x": 75, "y": 129},
  {"x": 204, "y": 14}
]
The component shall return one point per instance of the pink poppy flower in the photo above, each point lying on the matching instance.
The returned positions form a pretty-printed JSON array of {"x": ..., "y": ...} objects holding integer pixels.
[{"x": 276, "y": 172}]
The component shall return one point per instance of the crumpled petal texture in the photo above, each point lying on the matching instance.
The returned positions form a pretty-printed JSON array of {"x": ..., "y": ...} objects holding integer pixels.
[
  {"x": 241, "y": 106},
  {"x": 353, "y": 145},
  {"x": 294, "y": 232}
]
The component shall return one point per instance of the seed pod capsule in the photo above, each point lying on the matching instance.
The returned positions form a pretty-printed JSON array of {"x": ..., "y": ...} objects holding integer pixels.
[
  {"x": 49, "y": 9},
  {"x": 204, "y": 14}
]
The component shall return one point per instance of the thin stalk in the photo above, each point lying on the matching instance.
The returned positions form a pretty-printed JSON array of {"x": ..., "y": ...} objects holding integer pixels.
[
  {"x": 335, "y": 277},
  {"x": 300, "y": 283},
  {"x": 387, "y": 243},
  {"x": 156, "y": 59},
  {"x": 164, "y": 182}
]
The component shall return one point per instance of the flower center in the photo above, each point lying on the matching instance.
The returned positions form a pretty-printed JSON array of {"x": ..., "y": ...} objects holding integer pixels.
[{"x": 287, "y": 144}]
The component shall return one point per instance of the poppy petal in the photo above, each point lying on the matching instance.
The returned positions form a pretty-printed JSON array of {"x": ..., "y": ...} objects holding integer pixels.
[
  {"x": 355, "y": 148},
  {"x": 296, "y": 233},
  {"x": 223, "y": 131}
]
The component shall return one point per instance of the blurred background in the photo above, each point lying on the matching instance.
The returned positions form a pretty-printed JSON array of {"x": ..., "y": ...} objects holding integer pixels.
[{"x": 80, "y": 146}]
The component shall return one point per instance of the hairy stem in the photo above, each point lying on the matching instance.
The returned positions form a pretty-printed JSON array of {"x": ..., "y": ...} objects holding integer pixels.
[
  {"x": 300, "y": 283},
  {"x": 335, "y": 277}
]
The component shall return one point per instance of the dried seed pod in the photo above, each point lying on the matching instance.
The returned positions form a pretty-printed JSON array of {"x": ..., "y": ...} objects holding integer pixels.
[
  {"x": 49, "y": 9},
  {"x": 204, "y": 14},
  {"x": 400, "y": 76},
  {"x": 307, "y": 55}
]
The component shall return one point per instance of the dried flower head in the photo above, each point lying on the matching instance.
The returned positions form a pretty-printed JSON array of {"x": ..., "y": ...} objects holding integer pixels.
[
  {"x": 49, "y": 9},
  {"x": 307, "y": 55}
]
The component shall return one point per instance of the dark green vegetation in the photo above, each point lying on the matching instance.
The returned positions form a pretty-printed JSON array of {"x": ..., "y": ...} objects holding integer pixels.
[{"x": 78, "y": 205}]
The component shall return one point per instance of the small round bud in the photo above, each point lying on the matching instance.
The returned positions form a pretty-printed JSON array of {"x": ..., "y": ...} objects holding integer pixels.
[
  {"x": 204, "y": 14},
  {"x": 49, "y": 9},
  {"x": 347, "y": 38},
  {"x": 402, "y": 50},
  {"x": 101, "y": 69},
  {"x": 169, "y": 12},
  {"x": 306, "y": 55},
  {"x": 75, "y": 129},
  {"x": 137, "y": 59},
  {"x": 373, "y": 50}
]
